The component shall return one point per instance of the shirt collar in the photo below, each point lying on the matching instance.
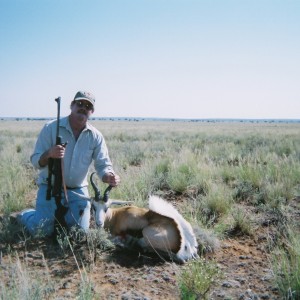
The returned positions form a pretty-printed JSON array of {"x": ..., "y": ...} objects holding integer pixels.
[
  {"x": 88, "y": 126},
  {"x": 64, "y": 122}
]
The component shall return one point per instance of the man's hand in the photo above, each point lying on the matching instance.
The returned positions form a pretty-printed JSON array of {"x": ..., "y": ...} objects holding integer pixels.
[
  {"x": 111, "y": 179},
  {"x": 56, "y": 151}
]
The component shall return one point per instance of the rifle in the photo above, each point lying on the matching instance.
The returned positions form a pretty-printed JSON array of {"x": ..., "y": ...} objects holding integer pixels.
[{"x": 55, "y": 173}]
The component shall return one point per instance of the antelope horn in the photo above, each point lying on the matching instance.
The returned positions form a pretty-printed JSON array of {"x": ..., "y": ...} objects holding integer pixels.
[
  {"x": 106, "y": 193},
  {"x": 96, "y": 190}
]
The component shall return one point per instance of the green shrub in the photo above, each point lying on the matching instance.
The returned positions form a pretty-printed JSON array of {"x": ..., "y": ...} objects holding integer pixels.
[
  {"x": 286, "y": 265},
  {"x": 216, "y": 203},
  {"x": 197, "y": 278},
  {"x": 242, "y": 222}
]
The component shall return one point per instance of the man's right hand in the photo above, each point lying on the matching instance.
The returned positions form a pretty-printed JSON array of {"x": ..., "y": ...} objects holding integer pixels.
[{"x": 56, "y": 152}]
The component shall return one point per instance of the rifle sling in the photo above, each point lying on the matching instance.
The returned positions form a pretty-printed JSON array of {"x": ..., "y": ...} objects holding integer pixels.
[
  {"x": 61, "y": 210},
  {"x": 65, "y": 189}
]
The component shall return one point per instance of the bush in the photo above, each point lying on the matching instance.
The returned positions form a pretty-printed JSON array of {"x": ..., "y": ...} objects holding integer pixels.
[{"x": 197, "y": 278}]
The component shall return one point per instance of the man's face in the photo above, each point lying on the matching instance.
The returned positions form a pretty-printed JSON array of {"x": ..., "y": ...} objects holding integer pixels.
[{"x": 82, "y": 109}]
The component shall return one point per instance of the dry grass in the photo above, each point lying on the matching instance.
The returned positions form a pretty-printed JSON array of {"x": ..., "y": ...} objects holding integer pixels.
[{"x": 220, "y": 175}]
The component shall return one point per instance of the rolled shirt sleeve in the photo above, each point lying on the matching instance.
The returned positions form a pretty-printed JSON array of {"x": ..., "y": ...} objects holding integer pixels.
[
  {"x": 102, "y": 162},
  {"x": 43, "y": 143}
]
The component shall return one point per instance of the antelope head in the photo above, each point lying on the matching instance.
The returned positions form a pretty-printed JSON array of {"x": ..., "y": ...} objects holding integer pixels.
[{"x": 101, "y": 204}]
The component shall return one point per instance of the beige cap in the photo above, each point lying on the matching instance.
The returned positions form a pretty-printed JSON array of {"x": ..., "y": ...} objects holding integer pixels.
[{"x": 83, "y": 95}]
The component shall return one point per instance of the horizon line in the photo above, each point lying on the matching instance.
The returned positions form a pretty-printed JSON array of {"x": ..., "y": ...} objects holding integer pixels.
[{"x": 163, "y": 119}]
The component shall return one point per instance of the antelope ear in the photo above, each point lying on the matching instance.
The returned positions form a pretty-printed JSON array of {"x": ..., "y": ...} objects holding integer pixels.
[{"x": 119, "y": 202}]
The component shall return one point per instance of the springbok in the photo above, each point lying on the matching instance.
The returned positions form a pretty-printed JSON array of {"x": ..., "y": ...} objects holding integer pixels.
[{"x": 161, "y": 228}]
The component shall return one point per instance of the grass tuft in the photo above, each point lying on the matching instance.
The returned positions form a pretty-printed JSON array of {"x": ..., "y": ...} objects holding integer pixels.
[
  {"x": 286, "y": 265},
  {"x": 196, "y": 279}
]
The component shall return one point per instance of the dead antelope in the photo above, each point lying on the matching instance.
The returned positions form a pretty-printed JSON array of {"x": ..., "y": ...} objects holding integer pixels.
[{"x": 160, "y": 228}]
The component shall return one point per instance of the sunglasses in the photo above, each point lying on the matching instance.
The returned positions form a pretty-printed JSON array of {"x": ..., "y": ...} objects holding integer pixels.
[{"x": 87, "y": 106}]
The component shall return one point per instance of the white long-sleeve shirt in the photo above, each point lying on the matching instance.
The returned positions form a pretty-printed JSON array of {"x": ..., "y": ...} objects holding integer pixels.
[{"x": 79, "y": 154}]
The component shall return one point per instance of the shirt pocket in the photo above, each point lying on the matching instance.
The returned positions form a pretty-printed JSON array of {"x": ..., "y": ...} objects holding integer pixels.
[{"x": 87, "y": 157}]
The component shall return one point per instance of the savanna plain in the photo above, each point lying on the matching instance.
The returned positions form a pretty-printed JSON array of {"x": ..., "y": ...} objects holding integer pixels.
[{"x": 237, "y": 183}]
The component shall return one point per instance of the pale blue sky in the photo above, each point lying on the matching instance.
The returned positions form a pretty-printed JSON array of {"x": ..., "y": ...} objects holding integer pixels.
[{"x": 152, "y": 58}]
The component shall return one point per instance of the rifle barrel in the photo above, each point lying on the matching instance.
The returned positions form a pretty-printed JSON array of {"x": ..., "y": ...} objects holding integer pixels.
[{"x": 58, "y": 116}]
